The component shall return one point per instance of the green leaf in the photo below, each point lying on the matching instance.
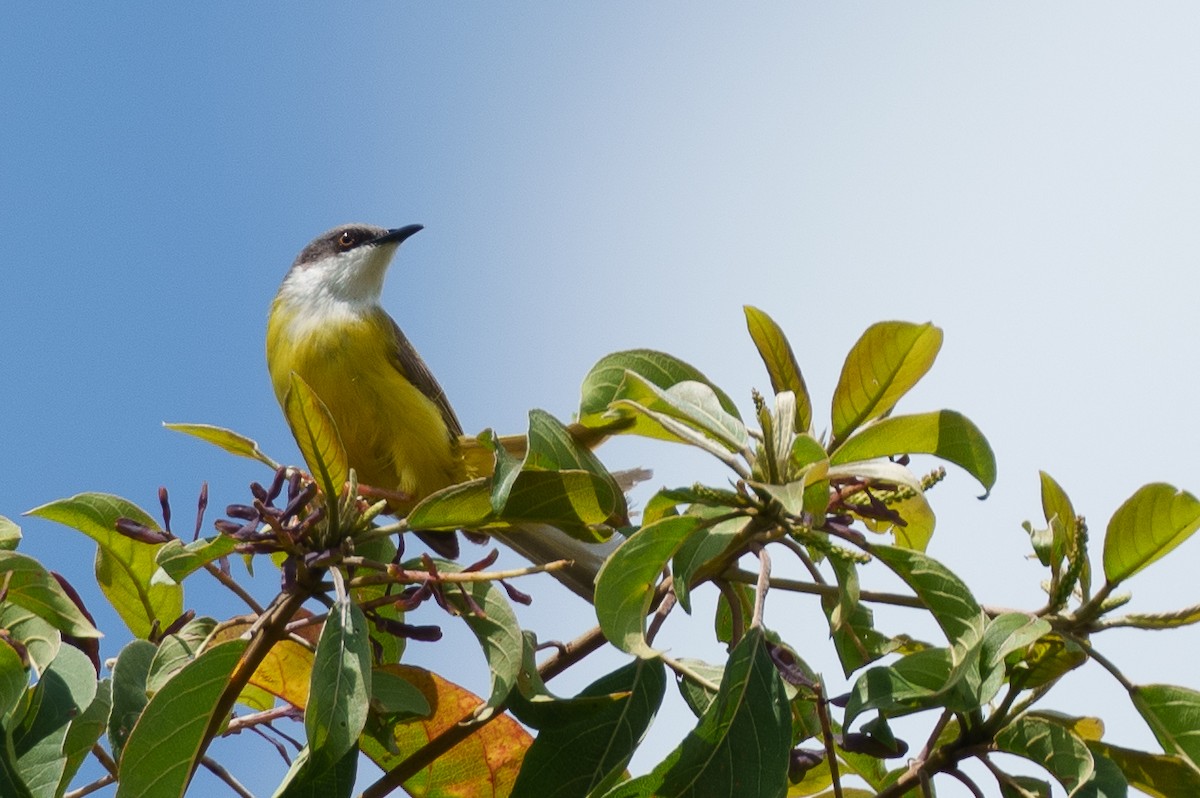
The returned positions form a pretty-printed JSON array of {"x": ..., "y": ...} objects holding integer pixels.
[
  {"x": 1156, "y": 519},
  {"x": 707, "y": 544},
  {"x": 226, "y": 439},
  {"x": 31, "y": 586},
  {"x": 41, "y": 640},
  {"x": 914, "y": 682},
  {"x": 393, "y": 696},
  {"x": 466, "y": 505},
  {"x": 1050, "y": 745},
  {"x": 947, "y": 597},
  {"x": 559, "y": 482},
  {"x": 1051, "y": 657},
  {"x": 14, "y": 678},
  {"x": 177, "y": 650},
  {"x": 124, "y": 567},
  {"x": 179, "y": 560},
  {"x": 65, "y": 689},
  {"x": 855, "y": 637},
  {"x": 129, "y": 698},
  {"x": 1060, "y": 520},
  {"x": 625, "y": 584},
  {"x": 84, "y": 731},
  {"x": 386, "y": 647},
  {"x": 700, "y": 691},
  {"x": 576, "y": 757},
  {"x": 1158, "y": 775},
  {"x": 317, "y": 435},
  {"x": 1005, "y": 634},
  {"x": 497, "y": 629},
  {"x": 340, "y": 685},
  {"x": 163, "y": 748},
  {"x": 1173, "y": 714},
  {"x": 594, "y": 494},
  {"x": 307, "y": 780},
  {"x": 887, "y": 361},
  {"x": 691, "y": 403},
  {"x": 10, "y": 534},
  {"x": 943, "y": 433},
  {"x": 741, "y": 744},
  {"x": 602, "y": 382},
  {"x": 1107, "y": 780},
  {"x": 1009, "y": 632},
  {"x": 781, "y": 363}
]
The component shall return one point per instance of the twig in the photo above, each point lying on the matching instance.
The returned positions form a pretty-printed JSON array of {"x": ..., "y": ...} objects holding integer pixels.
[
  {"x": 266, "y": 631},
  {"x": 232, "y": 584},
  {"x": 266, "y": 716},
  {"x": 104, "y": 759},
  {"x": 800, "y": 552},
  {"x": 660, "y": 615},
  {"x": 420, "y": 759},
  {"x": 795, "y": 586},
  {"x": 760, "y": 588},
  {"x": 827, "y": 737},
  {"x": 687, "y": 673},
  {"x": 1105, "y": 663},
  {"x": 966, "y": 780},
  {"x": 88, "y": 789},
  {"x": 218, "y": 770},
  {"x": 397, "y": 575},
  {"x": 570, "y": 653}
]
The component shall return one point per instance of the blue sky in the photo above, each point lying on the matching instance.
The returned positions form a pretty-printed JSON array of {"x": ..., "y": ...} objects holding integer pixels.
[{"x": 599, "y": 178}]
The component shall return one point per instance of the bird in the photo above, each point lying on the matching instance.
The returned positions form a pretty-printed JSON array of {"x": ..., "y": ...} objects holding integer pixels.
[{"x": 397, "y": 427}]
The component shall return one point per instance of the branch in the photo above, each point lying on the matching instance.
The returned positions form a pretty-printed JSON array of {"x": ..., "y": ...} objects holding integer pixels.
[
  {"x": 404, "y": 576},
  {"x": 88, "y": 789},
  {"x": 224, "y": 775},
  {"x": 795, "y": 586},
  {"x": 267, "y": 631},
  {"x": 231, "y": 583}
]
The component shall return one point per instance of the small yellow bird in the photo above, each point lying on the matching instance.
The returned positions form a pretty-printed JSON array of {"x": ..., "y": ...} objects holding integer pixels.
[{"x": 398, "y": 429}]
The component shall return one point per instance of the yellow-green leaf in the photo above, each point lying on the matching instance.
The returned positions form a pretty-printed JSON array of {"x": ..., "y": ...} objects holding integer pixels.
[
  {"x": 602, "y": 382},
  {"x": 944, "y": 433},
  {"x": 1156, "y": 519},
  {"x": 317, "y": 435},
  {"x": 227, "y": 439},
  {"x": 781, "y": 363},
  {"x": 888, "y": 360},
  {"x": 124, "y": 567}
]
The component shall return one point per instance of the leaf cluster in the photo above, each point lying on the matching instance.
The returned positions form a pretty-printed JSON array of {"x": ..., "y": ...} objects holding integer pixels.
[{"x": 838, "y": 502}]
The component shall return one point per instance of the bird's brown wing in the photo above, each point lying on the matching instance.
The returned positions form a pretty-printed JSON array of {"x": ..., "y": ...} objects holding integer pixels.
[{"x": 410, "y": 364}]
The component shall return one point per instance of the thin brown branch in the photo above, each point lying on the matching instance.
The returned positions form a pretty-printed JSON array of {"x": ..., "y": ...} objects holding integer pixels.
[
  {"x": 404, "y": 576},
  {"x": 92, "y": 787},
  {"x": 266, "y": 716},
  {"x": 795, "y": 586},
  {"x": 572, "y": 652},
  {"x": 218, "y": 770},
  {"x": 827, "y": 737},
  {"x": 231, "y": 583},
  {"x": 267, "y": 630}
]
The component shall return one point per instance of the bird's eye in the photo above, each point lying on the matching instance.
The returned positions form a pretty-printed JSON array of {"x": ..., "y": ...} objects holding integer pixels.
[{"x": 346, "y": 240}]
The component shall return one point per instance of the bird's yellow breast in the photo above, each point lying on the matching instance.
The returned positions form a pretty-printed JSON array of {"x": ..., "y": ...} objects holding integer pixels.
[{"x": 394, "y": 436}]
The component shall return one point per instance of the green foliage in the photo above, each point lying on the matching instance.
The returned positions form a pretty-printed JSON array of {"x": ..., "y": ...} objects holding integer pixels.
[{"x": 329, "y": 647}]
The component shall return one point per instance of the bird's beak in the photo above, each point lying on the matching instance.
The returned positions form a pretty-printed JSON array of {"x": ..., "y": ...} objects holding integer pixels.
[{"x": 399, "y": 234}]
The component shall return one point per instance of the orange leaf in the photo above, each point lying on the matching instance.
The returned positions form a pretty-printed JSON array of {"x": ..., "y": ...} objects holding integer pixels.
[
  {"x": 287, "y": 669},
  {"x": 483, "y": 765}
]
